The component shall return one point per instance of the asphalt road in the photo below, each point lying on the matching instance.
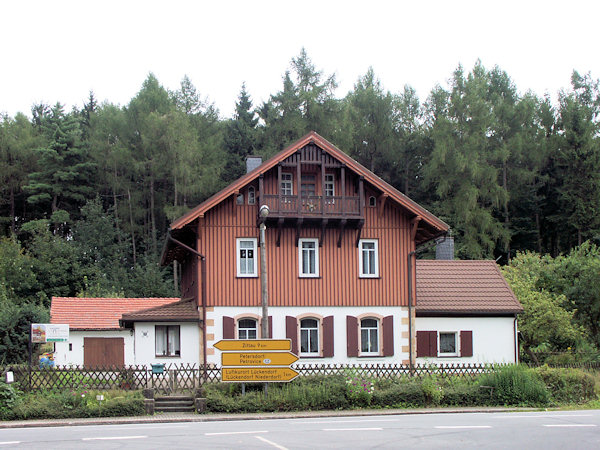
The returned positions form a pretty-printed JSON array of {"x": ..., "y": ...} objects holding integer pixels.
[{"x": 530, "y": 430}]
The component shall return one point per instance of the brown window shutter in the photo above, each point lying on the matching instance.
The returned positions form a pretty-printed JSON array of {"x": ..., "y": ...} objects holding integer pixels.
[
  {"x": 328, "y": 336},
  {"x": 352, "y": 335},
  {"x": 228, "y": 328},
  {"x": 388, "y": 336},
  {"x": 291, "y": 332},
  {"x": 270, "y": 327},
  {"x": 426, "y": 343},
  {"x": 466, "y": 343}
]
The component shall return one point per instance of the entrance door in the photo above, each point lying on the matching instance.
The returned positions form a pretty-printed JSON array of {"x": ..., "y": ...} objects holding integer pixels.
[{"x": 103, "y": 352}]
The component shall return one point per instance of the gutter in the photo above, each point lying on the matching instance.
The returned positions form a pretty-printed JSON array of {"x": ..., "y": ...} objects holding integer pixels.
[{"x": 202, "y": 259}]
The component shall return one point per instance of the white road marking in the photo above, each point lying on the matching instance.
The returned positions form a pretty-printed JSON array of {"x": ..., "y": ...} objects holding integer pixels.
[
  {"x": 112, "y": 438},
  {"x": 349, "y": 421},
  {"x": 10, "y": 442},
  {"x": 234, "y": 432},
  {"x": 459, "y": 427},
  {"x": 266, "y": 441},
  {"x": 543, "y": 416},
  {"x": 352, "y": 429},
  {"x": 571, "y": 425}
]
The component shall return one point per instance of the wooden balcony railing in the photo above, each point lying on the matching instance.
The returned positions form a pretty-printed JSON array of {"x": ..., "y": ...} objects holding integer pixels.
[{"x": 312, "y": 206}]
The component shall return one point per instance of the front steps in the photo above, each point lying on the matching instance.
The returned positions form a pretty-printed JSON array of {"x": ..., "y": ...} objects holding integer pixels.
[{"x": 174, "y": 403}]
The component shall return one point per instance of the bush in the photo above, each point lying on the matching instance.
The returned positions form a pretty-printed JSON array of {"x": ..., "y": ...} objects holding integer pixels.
[
  {"x": 568, "y": 385},
  {"x": 401, "y": 394},
  {"x": 516, "y": 385},
  {"x": 9, "y": 396}
]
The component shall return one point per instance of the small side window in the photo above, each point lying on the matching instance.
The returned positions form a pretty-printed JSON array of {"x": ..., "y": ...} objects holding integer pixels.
[
  {"x": 251, "y": 195},
  {"x": 372, "y": 202},
  {"x": 239, "y": 200},
  {"x": 447, "y": 344}
]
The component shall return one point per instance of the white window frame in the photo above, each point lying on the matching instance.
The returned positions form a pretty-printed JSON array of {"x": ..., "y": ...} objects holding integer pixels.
[
  {"x": 456, "y": 343},
  {"x": 245, "y": 329},
  {"x": 301, "y": 243},
  {"x": 238, "y": 261},
  {"x": 251, "y": 195},
  {"x": 287, "y": 184},
  {"x": 172, "y": 343},
  {"x": 378, "y": 331},
  {"x": 361, "y": 256},
  {"x": 329, "y": 188},
  {"x": 317, "y": 352}
]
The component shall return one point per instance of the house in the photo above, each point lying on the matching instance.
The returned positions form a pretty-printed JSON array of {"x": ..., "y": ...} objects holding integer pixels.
[
  {"x": 465, "y": 313},
  {"x": 97, "y": 337},
  {"x": 342, "y": 279},
  {"x": 340, "y": 245}
]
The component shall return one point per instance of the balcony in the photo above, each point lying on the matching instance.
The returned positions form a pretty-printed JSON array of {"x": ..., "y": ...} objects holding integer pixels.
[{"x": 313, "y": 207}]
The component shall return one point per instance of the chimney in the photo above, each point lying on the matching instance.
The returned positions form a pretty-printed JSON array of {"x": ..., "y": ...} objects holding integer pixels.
[
  {"x": 252, "y": 162},
  {"x": 444, "y": 248}
]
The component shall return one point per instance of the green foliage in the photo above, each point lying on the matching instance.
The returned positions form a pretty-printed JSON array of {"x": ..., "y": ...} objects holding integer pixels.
[
  {"x": 9, "y": 395},
  {"x": 568, "y": 385},
  {"x": 516, "y": 385},
  {"x": 360, "y": 387},
  {"x": 432, "y": 390},
  {"x": 15, "y": 320}
]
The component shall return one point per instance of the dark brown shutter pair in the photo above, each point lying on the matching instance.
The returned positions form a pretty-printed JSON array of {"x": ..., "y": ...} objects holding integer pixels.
[
  {"x": 387, "y": 338},
  {"x": 291, "y": 332},
  {"x": 427, "y": 343}
]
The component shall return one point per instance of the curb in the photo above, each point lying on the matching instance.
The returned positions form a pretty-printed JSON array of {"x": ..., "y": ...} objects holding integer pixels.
[{"x": 179, "y": 418}]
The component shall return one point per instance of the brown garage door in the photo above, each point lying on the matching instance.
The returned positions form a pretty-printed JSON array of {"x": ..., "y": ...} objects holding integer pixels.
[{"x": 103, "y": 352}]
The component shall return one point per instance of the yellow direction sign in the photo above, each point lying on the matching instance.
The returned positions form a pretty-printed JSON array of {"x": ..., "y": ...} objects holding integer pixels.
[
  {"x": 258, "y": 359},
  {"x": 258, "y": 374},
  {"x": 253, "y": 345}
]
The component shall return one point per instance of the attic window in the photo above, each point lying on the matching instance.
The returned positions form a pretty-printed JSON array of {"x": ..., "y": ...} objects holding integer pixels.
[
  {"x": 251, "y": 195},
  {"x": 239, "y": 200},
  {"x": 372, "y": 201}
]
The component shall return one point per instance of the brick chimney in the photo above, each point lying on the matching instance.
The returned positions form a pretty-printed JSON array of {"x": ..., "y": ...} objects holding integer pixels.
[{"x": 252, "y": 162}]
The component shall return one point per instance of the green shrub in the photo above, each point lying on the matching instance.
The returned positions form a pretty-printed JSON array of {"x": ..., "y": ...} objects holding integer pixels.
[
  {"x": 568, "y": 385},
  {"x": 466, "y": 393},
  {"x": 400, "y": 394},
  {"x": 359, "y": 388},
  {"x": 432, "y": 390},
  {"x": 516, "y": 385},
  {"x": 9, "y": 396}
]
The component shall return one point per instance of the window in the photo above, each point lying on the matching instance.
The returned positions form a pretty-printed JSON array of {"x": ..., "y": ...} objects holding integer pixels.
[
  {"x": 368, "y": 258},
  {"x": 372, "y": 202},
  {"x": 167, "y": 340},
  {"x": 309, "y": 257},
  {"x": 251, "y": 195},
  {"x": 448, "y": 344},
  {"x": 329, "y": 188},
  {"x": 239, "y": 200},
  {"x": 308, "y": 186},
  {"x": 287, "y": 187},
  {"x": 246, "y": 257},
  {"x": 309, "y": 336},
  {"x": 247, "y": 328},
  {"x": 369, "y": 336}
]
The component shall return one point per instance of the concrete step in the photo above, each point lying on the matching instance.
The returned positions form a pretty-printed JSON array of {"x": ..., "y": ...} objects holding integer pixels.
[{"x": 174, "y": 403}]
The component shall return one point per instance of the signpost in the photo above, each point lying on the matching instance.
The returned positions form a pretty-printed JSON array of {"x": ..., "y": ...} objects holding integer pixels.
[{"x": 256, "y": 360}]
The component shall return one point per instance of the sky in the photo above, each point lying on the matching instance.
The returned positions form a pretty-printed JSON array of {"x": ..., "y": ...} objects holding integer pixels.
[{"x": 57, "y": 51}]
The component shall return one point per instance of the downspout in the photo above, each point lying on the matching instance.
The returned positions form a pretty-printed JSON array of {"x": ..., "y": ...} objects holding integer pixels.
[
  {"x": 516, "y": 337},
  {"x": 410, "y": 295},
  {"x": 202, "y": 259}
]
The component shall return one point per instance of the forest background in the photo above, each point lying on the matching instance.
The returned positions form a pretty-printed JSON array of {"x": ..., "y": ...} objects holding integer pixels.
[{"x": 87, "y": 195}]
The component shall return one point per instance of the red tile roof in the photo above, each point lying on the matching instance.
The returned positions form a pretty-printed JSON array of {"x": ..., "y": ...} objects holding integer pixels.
[
  {"x": 99, "y": 313},
  {"x": 182, "y": 311},
  {"x": 457, "y": 286}
]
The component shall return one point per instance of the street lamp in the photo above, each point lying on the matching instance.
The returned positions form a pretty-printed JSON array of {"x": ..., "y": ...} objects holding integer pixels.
[{"x": 264, "y": 329}]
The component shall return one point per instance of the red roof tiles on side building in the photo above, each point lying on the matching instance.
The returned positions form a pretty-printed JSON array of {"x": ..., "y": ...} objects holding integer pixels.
[
  {"x": 466, "y": 287},
  {"x": 99, "y": 313},
  {"x": 181, "y": 311}
]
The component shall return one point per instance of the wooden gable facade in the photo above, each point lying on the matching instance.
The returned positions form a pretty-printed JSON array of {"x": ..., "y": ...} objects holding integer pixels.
[{"x": 314, "y": 192}]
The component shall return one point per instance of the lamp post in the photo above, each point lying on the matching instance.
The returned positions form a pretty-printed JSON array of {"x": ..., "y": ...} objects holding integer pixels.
[{"x": 264, "y": 329}]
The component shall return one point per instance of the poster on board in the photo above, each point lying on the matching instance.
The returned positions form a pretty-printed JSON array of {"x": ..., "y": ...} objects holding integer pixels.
[{"x": 49, "y": 332}]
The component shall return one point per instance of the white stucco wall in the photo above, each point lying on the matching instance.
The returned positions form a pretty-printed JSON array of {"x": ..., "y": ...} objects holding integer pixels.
[
  {"x": 63, "y": 356},
  {"x": 278, "y": 315},
  {"x": 145, "y": 353},
  {"x": 493, "y": 338}
]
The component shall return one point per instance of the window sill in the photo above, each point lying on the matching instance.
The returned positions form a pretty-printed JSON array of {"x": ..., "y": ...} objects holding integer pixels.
[
  {"x": 372, "y": 356},
  {"x": 246, "y": 276},
  {"x": 310, "y": 356},
  {"x": 167, "y": 356},
  {"x": 309, "y": 277},
  {"x": 369, "y": 277},
  {"x": 448, "y": 356}
]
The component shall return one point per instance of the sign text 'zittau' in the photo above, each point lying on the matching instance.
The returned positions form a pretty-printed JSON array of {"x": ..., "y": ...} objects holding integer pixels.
[
  {"x": 257, "y": 374},
  {"x": 258, "y": 359},
  {"x": 253, "y": 345}
]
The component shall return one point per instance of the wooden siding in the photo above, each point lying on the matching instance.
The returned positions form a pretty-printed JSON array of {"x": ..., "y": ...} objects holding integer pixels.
[{"x": 339, "y": 283}]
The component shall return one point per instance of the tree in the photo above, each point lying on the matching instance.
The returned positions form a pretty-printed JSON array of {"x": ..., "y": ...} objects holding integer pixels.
[{"x": 544, "y": 322}]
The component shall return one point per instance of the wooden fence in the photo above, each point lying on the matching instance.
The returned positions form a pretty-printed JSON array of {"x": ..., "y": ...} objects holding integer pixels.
[{"x": 188, "y": 377}]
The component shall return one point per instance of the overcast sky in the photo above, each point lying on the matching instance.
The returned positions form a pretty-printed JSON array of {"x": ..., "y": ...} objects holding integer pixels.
[{"x": 60, "y": 50}]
